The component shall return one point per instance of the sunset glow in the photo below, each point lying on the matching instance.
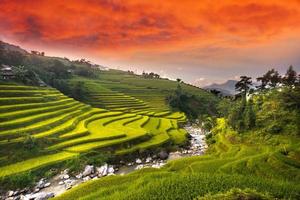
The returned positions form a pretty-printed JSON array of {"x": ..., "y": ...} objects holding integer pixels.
[{"x": 169, "y": 37}]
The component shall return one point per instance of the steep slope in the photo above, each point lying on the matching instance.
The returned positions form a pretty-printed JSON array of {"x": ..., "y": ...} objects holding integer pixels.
[
  {"x": 252, "y": 162},
  {"x": 47, "y": 127}
]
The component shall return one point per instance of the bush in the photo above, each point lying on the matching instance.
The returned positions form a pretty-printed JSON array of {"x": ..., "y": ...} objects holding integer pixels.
[{"x": 29, "y": 142}]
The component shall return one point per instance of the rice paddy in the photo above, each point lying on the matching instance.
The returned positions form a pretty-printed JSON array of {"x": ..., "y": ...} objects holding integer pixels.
[{"x": 64, "y": 128}]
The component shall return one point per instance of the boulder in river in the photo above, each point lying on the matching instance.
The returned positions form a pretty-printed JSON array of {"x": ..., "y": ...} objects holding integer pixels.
[
  {"x": 41, "y": 183},
  {"x": 110, "y": 170},
  {"x": 47, "y": 184},
  {"x": 10, "y": 193},
  {"x": 102, "y": 171},
  {"x": 148, "y": 159},
  {"x": 89, "y": 169},
  {"x": 40, "y": 196},
  {"x": 163, "y": 155},
  {"x": 138, "y": 161}
]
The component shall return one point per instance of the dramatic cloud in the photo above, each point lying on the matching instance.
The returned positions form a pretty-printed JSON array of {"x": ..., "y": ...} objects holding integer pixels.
[{"x": 194, "y": 33}]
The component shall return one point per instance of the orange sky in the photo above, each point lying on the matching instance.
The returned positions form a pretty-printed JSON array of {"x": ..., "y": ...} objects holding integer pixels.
[{"x": 204, "y": 41}]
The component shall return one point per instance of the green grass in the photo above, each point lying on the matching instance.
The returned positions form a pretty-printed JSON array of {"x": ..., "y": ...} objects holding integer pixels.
[
  {"x": 244, "y": 162},
  {"x": 63, "y": 128},
  {"x": 34, "y": 163}
]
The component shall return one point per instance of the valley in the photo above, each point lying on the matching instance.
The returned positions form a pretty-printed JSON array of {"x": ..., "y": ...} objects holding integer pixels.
[{"x": 70, "y": 130}]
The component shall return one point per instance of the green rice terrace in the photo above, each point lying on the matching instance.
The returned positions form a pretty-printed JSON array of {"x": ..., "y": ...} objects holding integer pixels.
[
  {"x": 128, "y": 133},
  {"x": 68, "y": 128},
  {"x": 260, "y": 171}
]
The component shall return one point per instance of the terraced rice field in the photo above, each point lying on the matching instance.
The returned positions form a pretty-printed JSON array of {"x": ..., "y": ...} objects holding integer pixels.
[
  {"x": 266, "y": 168},
  {"x": 63, "y": 128}
]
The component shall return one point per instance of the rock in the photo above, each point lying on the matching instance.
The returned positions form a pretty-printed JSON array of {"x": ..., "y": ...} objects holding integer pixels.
[
  {"x": 148, "y": 159},
  {"x": 66, "y": 176},
  {"x": 16, "y": 193},
  {"x": 24, "y": 190},
  {"x": 79, "y": 176},
  {"x": 36, "y": 190},
  {"x": 89, "y": 169},
  {"x": 41, "y": 183},
  {"x": 60, "y": 183},
  {"x": 163, "y": 155},
  {"x": 93, "y": 175},
  {"x": 139, "y": 167},
  {"x": 10, "y": 193},
  {"x": 68, "y": 187},
  {"x": 110, "y": 170},
  {"x": 86, "y": 178},
  {"x": 39, "y": 196},
  {"x": 69, "y": 181},
  {"x": 47, "y": 184},
  {"x": 129, "y": 164},
  {"x": 102, "y": 171},
  {"x": 9, "y": 198},
  {"x": 138, "y": 161}
]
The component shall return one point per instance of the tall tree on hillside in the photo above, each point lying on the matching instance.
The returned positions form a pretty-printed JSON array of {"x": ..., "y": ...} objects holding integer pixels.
[
  {"x": 290, "y": 77},
  {"x": 275, "y": 78},
  {"x": 243, "y": 86},
  {"x": 249, "y": 115},
  {"x": 264, "y": 82}
]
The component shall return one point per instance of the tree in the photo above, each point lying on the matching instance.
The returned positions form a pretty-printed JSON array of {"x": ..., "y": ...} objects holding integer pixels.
[
  {"x": 249, "y": 115},
  {"x": 275, "y": 78},
  {"x": 290, "y": 77},
  {"x": 235, "y": 115},
  {"x": 215, "y": 92},
  {"x": 20, "y": 73},
  {"x": 78, "y": 92},
  {"x": 243, "y": 85},
  {"x": 264, "y": 82},
  {"x": 59, "y": 69}
]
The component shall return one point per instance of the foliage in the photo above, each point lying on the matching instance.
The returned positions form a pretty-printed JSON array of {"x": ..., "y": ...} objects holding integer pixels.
[
  {"x": 78, "y": 91},
  {"x": 29, "y": 142},
  {"x": 243, "y": 86},
  {"x": 249, "y": 115},
  {"x": 193, "y": 106},
  {"x": 150, "y": 75},
  {"x": 290, "y": 77}
]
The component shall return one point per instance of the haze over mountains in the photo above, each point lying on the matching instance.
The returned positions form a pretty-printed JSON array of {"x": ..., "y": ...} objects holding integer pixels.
[{"x": 227, "y": 88}]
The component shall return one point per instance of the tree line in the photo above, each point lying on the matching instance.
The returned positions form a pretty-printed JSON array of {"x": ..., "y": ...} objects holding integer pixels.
[{"x": 273, "y": 105}]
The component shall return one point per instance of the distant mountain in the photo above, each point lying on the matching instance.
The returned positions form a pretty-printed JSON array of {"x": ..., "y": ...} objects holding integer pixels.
[{"x": 227, "y": 88}]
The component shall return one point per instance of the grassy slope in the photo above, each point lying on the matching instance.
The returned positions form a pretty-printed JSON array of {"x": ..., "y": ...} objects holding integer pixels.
[
  {"x": 111, "y": 85},
  {"x": 265, "y": 165},
  {"x": 61, "y": 125}
]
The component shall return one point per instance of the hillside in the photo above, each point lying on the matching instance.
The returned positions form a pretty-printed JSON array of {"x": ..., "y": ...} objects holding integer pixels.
[
  {"x": 85, "y": 116},
  {"x": 46, "y": 127},
  {"x": 232, "y": 162}
]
